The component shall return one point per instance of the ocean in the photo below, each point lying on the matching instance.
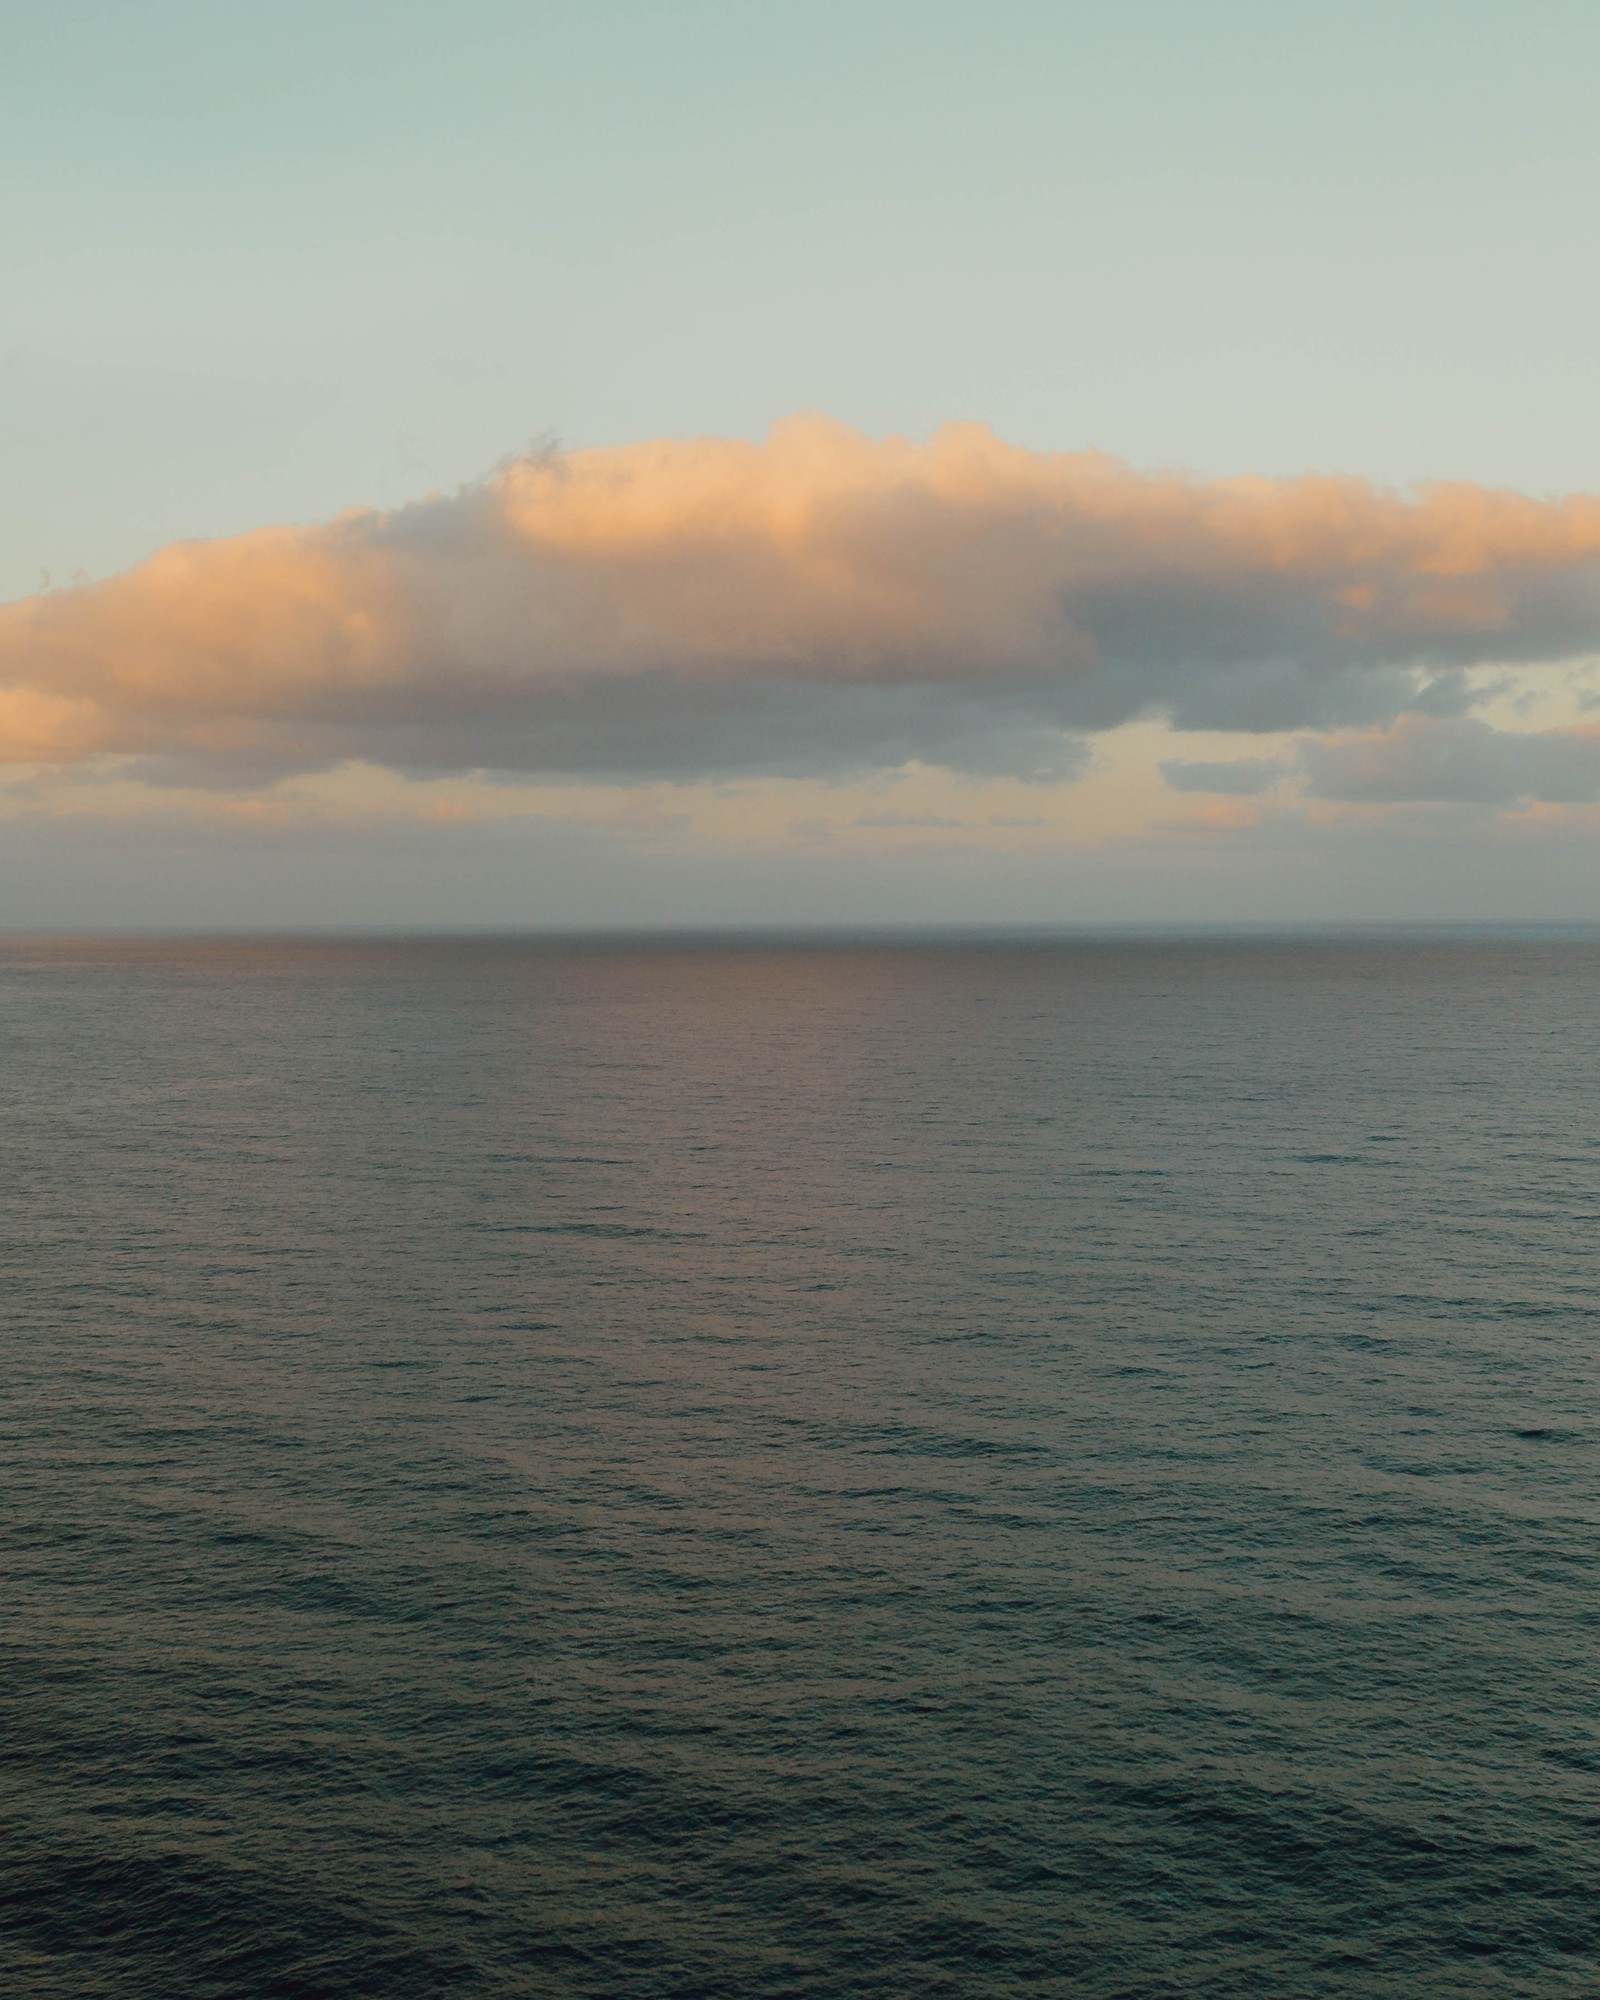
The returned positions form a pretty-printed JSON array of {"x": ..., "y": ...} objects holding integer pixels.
[{"x": 756, "y": 1467}]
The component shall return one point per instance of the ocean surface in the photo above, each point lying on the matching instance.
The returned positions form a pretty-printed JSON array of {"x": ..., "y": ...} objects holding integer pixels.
[{"x": 814, "y": 1469}]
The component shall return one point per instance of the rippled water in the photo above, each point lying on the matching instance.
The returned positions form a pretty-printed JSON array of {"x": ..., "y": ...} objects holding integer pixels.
[{"x": 617, "y": 1469}]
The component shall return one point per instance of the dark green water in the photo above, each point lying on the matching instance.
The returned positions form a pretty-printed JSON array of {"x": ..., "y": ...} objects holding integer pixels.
[{"x": 817, "y": 1470}]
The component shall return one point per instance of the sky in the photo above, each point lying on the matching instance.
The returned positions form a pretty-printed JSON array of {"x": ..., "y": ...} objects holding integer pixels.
[{"x": 624, "y": 464}]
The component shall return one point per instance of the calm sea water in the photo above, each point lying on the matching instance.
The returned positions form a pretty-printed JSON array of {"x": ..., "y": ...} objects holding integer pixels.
[{"x": 739, "y": 1469}]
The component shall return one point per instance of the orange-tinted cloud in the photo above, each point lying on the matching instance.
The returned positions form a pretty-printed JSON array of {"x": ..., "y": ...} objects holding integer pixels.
[{"x": 815, "y": 603}]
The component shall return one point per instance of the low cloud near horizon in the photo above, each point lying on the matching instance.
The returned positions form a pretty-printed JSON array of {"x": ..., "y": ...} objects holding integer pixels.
[
  {"x": 991, "y": 672},
  {"x": 816, "y": 605}
]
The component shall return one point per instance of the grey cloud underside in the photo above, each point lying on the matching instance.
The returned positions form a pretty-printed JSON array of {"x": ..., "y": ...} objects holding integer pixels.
[
  {"x": 1451, "y": 760},
  {"x": 1099, "y": 660},
  {"x": 1461, "y": 761},
  {"x": 671, "y": 727},
  {"x": 1238, "y": 777},
  {"x": 664, "y": 727}
]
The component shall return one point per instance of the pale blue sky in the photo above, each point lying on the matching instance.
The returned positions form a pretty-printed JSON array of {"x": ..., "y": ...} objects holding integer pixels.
[{"x": 265, "y": 261}]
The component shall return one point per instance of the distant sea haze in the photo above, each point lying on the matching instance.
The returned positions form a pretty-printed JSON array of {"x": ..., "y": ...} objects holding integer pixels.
[{"x": 831, "y": 1468}]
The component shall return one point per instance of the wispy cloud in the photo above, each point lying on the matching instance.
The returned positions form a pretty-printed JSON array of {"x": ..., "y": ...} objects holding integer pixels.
[{"x": 817, "y": 604}]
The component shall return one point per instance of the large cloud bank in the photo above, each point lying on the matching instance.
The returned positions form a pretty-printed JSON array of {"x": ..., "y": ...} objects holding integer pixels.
[{"x": 815, "y": 604}]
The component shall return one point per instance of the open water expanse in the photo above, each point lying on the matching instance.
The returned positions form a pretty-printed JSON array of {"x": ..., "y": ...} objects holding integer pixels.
[{"x": 754, "y": 1469}]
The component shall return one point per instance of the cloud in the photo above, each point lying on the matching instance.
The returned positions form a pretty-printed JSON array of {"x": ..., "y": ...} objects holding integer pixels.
[
  {"x": 1460, "y": 760},
  {"x": 1239, "y": 777},
  {"x": 817, "y": 604}
]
